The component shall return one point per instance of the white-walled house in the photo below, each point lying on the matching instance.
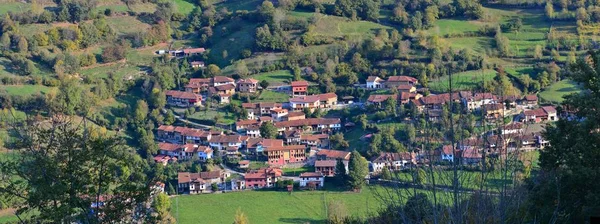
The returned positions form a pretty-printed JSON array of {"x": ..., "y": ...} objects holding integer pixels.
[
  {"x": 447, "y": 153},
  {"x": 374, "y": 82},
  {"x": 309, "y": 178}
]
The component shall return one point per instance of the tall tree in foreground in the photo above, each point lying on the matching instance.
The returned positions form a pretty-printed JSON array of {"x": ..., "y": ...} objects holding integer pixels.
[
  {"x": 570, "y": 164},
  {"x": 358, "y": 170},
  {"x": 68, "y": 173}
]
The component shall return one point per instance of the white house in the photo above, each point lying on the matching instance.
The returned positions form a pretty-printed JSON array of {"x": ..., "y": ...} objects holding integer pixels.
[
  {"x": 374, "y": 82},
  {"x": 476, "y": 101},
  {"x": 447, "y": 153},
  {"x": 392, "y": 161},
  {"x": 309, "y": 178}
]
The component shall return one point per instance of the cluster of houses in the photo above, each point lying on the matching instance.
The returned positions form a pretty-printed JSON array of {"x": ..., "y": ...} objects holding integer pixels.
[{"x": 304, "y": 141}]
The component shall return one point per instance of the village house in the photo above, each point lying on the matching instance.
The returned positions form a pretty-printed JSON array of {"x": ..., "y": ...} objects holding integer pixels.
[
  {"x": 312, "y": 180},
  {"x": 244, "y": 164},
  {"x": 476, "y": 101},
  {"x": 312, "y": 102},
  {"x": 494, "y": 110},
  {"x": 395, "y": 81},
  {"x": 326, "y": 167},
  {"x": 256, "y": 110},
  {"x": 546, "y": 113},
  {"x": 227, "y": 89},
  {"x": 327, "y": 161},
  {"x": 222, "y": 141},
  {"x": 530, "y": 101},
  {"x": 299, "y": 88},
  {"x": 183, "y": 99},
  {"x": 282, "y": 155},
  {"x": 392, "y": 161},
  {"x": 407, "y": 97},
  {"x": 164, "y": 159},
  {"x": 279, "y": 114},
  {"x": 292, "y": 137},
  {"x": 197, "y": 64},
  {"x": 296, "y": 115},
  {"x": 232, "y": 152},
  {"x": 447, "y": 153},
  {"x": 318, "y": 140},
  {"x": 512, "y": 128},
  {"x": 378, "y": 100},
  {"x": 191, "y": 183},
  {"x": 259, "y": 145},
  {"x": 262, "y": 178},
  {"x": 242, "y": 125},
  {"x": 471, "y": 156},
  {"x": 182, "y": 135},
  {"x": 198, "y": 85},
  {"x": 406, "y": 88},
  {"x": 185, "y": 152},
  {"x": 189, "y": 52},
  {"x": 253, "y": 131},
  {"x": 310, "y": 124},
  {"x": 300, "y": 102},
  {"x": 249, "y": 85},
  {"x": 374, "y": 82},
  {"x": 238, "y": 183},
  {"x": 433, "y": 102}
]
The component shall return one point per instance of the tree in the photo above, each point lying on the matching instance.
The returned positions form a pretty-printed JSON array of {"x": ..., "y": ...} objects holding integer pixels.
[
  {"x": 502, "y": 43},
  {"x": 338, "y": 142},
  {"x": 267, "y": 11},
  {"x": 22, "y": 45},
  {"x": 341, "y": 173},
  {"x": 66, "y": 166},
  {"x": 386, "y": 174},
  {"x": 538, "y": 52},
  {"x": 162, "y": 206},
  {"x": 141, "y": 111},
  {"x": 264, "y": 84},
  {"x": 358, "y": 171},
  {"x": 242, "y": 69},
  {"x": 419, "y": 176},
  {"x": 214, "y": 187},
  {"x": 240, "y": 217},
  {"x": 549, "y": 10},
  {"x": 569, "y": 168},
  {"x": 411, "y": 133},
  {"x": 213, "y": 70},
  {"x": 418, "y": 209},
  {"x": 113, "y": 53},
  {"x": 268, "y": 130}
]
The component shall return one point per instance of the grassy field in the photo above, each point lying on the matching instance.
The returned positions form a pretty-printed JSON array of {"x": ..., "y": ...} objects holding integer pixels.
[
  {"x": 272, "y": 96},
  {"x": 127, "y": 24},
  {"x": 462, "y": 81},
  {"x": 275, "y": 78},
  {"x": 184, "y": 6},
  {"x": 24, "y": 90},
  {"x": 13, "y": 7},
  {"x": 226, "y": 118},
  {"x": 269, "y": 206},
  {"x": 557, "y": 91},
  {"x": 297, "y": 171}
]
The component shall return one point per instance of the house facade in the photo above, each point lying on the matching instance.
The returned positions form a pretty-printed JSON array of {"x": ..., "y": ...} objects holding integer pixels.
[
  {"x": 249, "y": 85},
  {"x": 299, "y": 88},
  {"x": 282, "y": 155},
  {"x": 392, "y": 161},
  {"x": 183, "y": 99},
  {"x": 312, "y": 179},
  {"x": 262, "y": 178}
]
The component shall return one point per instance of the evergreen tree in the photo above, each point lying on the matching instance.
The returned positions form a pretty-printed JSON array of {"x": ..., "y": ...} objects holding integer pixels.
[
  {"x": 268, "y": 130},
  {"x": 340, "y": 171},
  {"x": 358, "y": 171}
]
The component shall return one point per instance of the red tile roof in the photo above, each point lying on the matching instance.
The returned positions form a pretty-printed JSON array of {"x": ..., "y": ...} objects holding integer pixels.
[
  {"x": 401, "y": 79},
  {"x": 373, "y": 79},
  {"x": 285, "y": 148},
  {"x": 327, "y": 96},
  {"x": 393, "y": 156},
  {"x": 380, "y": 98},
  {"x": 182, "y": 95},
  {"x": 247, "y": 81},
  {"x": 222, "y": 79},
  {"x": 325, "y": 163},
  {"x": 311, "y": 174},
  {"x": 225, "y": 87},
  {"x": 168, "y": 146},
  {"x": 307, "y": 122},
  {"x": 305, "y": 99},
  {"x": 299, "y": 83},
  {"x": 194, "y": 50},
  {"x": 531, "y": 97},
  {"x": 334, "y": 154}
]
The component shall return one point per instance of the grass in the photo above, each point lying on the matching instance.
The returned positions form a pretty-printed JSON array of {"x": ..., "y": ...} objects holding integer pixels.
[
  {"x": 556, "y": 91},
  {"x": 13, "y": 7},
  {"x": 335, "y": 26},
  {"x": 255, "y": 165},
  {"x": 269, "y": 206},
  {"x": 24, "y": 90},
  {"x": 126, "y": 24},
  {"x": 226, "y": 118},
  {"x": 272, "y": 96},
  {"x": 275, "y": 78},
  {"x": 297, "y": 171},
  {"x": 234, "y": 5},
  {"x": 184, "y": 6},
  {"x": 232, "y": 37},
  {"x": 477, "y": 44},
  {"x": 462, "y": 81},
  {"x": 452, "y": 26}
]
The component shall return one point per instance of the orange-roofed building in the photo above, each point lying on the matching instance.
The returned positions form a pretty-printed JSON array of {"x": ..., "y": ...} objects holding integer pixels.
[
  {"x": 265, "y": 177},
  {"x": 281, "y": 155},
  {"x": 299, "y": 88}
]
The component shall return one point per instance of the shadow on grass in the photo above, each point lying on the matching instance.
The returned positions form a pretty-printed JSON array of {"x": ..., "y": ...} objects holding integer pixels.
[
  {"x": 302, "y": 220},
  {"x": 568, "y": 89},
  {"x": 499, "y": 182}
]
